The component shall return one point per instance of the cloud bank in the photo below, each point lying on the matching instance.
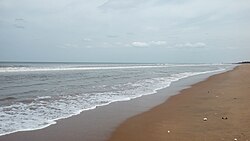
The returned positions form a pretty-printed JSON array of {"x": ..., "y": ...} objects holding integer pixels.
[{"x": 43, "y": 26}]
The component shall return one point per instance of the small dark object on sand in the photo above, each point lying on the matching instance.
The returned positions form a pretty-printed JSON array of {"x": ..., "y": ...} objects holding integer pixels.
[{"x": 224, "y": 118}]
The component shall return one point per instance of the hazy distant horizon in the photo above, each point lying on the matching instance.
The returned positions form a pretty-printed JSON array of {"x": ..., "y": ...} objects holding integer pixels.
[{"x": 78, "y": 62}]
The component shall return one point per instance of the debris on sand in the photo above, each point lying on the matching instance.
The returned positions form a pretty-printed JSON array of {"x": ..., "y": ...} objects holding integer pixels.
[{"x": 224, "y": 118}]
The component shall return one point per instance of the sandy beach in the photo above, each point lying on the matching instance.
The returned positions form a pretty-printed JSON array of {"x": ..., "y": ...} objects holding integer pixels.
[{"x": 215, "y": 109}]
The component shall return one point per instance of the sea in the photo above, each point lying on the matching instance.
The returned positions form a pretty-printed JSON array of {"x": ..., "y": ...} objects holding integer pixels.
[{"x": 36, "y": 95}]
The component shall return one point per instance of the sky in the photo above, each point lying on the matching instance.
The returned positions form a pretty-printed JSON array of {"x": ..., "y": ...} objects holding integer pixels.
[{"x": 143, "y": 31}]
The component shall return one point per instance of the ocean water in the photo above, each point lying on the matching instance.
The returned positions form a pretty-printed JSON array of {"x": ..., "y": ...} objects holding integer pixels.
[{"x": 35, "y": 95}]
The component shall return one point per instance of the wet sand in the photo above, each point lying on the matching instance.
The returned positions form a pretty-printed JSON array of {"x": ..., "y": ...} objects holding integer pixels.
[{"x": 213, "y": 110}]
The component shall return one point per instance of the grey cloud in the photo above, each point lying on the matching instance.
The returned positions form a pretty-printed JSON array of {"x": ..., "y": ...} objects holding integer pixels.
[
  {"x": 147, "y": 44},
  {"x": 19, "y": 23},
  {"x": 87, "y": 39},
  {"x": 158, "y": 43},
  {"x": 112, "y": 36},
  {"x": 157, "y": 26},
  {"x": 121, "y": 4},
  {"x": 139, "y": 44},
  {"x": 191, "y": 45}
]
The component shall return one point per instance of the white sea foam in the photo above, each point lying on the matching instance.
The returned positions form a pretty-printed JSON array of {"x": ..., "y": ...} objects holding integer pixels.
[
  {"x": 85, "y": 68},
  {"x": 44, "y": 111},
  {"x": 32, "y": 69}
]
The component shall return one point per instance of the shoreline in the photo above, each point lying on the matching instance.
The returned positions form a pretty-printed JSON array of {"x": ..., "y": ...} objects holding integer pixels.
[
  {"x": 54, "y": 121},
  {"x": 158, "y": 98},
  {"x": 214, "y": 109}
]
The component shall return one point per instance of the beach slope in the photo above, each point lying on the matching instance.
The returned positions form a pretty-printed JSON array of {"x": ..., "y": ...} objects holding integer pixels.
[{"x": 215, "y": 109}]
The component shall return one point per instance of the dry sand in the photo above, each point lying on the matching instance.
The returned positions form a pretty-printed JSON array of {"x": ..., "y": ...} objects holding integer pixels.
[{"x": 181, "y": 117}]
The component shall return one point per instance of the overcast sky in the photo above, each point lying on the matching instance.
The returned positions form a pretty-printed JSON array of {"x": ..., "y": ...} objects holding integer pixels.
[{"x": 167, "y": 31}]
